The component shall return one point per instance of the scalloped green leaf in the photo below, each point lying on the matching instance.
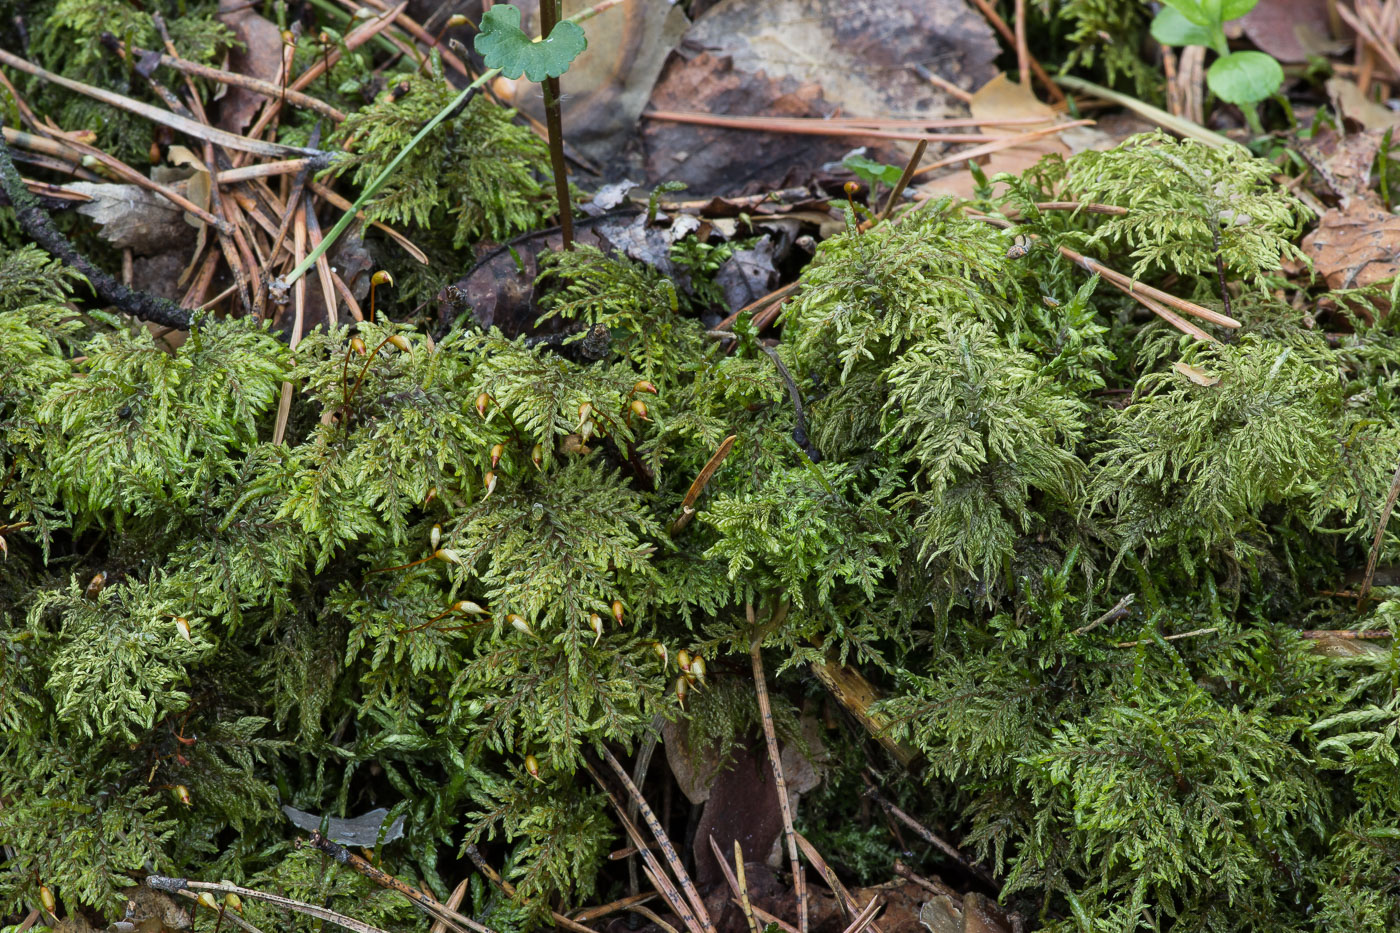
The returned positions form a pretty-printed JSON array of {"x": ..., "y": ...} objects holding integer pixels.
[
  {"x": 1169, "y": 27},
  {"x": 1244, "y": 77},
  {"x": 504, "y": 45}
]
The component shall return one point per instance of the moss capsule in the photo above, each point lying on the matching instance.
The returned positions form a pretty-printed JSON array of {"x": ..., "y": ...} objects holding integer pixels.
[
  {"x": 435, "y": 537},
  {"x": 595, "y": 622},
  {"x": 532, "y": 765},
  {"x": 482, "y": 401},
  {"x": 183, "y": 627},
  {"x": 639, "y": 408},
  {"x": 496, "y": 452},
  {"x": 47, "y": 899}
]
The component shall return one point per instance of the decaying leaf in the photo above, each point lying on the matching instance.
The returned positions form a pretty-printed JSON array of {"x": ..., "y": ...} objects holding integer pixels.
[
  {"x": 1195, "y": 374},
  {"x": 258, "y": 54},
  {"x": 1355, "y": 246}
]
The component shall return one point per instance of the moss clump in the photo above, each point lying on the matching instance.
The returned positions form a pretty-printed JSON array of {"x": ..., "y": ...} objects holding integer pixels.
[{"x": 999, "y": 471}]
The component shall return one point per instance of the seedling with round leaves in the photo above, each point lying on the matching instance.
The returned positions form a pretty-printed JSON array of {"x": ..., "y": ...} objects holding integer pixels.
[{"x": 1241, "y": 78}]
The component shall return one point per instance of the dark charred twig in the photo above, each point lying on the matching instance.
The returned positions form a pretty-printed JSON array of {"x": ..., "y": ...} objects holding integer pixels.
[
  {"x": 176, "y": 885},
  {"x": 1376, "y": 542},
  {"x": 592, "y": 346},
  {"x": 928, "y": 836},
  {"x": 422, "y": 900},
  {"x": 1220, "y": 266},
  {"x": 38, "y": 226},
  {"x": 1119, "y": 610},
  {"x": 799, "y": 431},
  {"x": 760, "y": 685}
]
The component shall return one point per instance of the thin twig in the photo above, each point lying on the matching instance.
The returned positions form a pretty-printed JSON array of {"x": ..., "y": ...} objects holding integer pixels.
[
  {"x": 1192, "y": 634},
  {"x": 667, "y": 849},
  {"x": 1177, "y": 125},
  {"x": 1023, "y": 49},
  {"x": 175, "y": 885},
  {"x": 156, "y": 115},
  {"x": 1119, "y": 610},
  {"x": 1376, "y": 541},
  {"x": 475, "y": 855},
  {"x": 247, "y": 82},
  {"x": 421, "y": 899},
  {"x": 770, "y": 735},
  {"x": 848, "y": 903},
  {"x": 1000, "y": 143},
  {"x": 924, "y": 833},
  {"x": 1345, "y": 633},
  {"x": 1000, "y": 26},
  {"x": 652, "y": 916},
  {"x": 799, "y": 430},
  {"x": 697, "y": 486},
  {"x": 612, "y": 907},
  {"x": 910, "y": 167},
  {"x": 38, "y": 226},
  {"x": 739, "y": 884}
]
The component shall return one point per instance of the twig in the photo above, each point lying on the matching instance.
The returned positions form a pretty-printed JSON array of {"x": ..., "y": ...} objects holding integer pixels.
[
  {"x": 848, "y": 903},
  {"x": 1200, "y": 631},
  {"x": 344, "y": 204},
  {"x": 799, "y": 431},
  {"x": 424, "y": 901},
  {"x": 763, "y": 302},
  {"x": 998, "y": 144},
  {"x": 664, "y": 841},
  {"x": 554, "y": 121},
  {"x": 698, "y": 485},
  {"x": 156, "y": 115},
  {"x": 857, "y": 696},
  {"x": 1119, "y": 610},
  {"x": 247, "y": 82},
  {"x": 1346, "y": 633},
  {"x": 904, "y": 179},
  {"x": 933, "y": 885},
  {"x": 942, "y": 83},
  {"x": 639, "y": 776},
  {"x": 915, "y": 127},
  {"x": 175, "y": 885},
  {"x": 454, "y": 900},
  {"x": 603, "y": 910},
  {"x": 649, "y": 862},
  {"x": 1000, "y": 26},
  {"x": 1023, "y": 50},
  {"x": 38, "y": 226},
  {"x": 760, "y": 685},
  {"x": 1177, "y": 125},
  {"x": 1376, "y": 541},
  {"x": 924, "y": 833},
  {"x": 739, "y": 885},
  {"x": 652, "y": 916},
  {"x": 475, "y": 855},
  {"x": 866, "y": 918}
]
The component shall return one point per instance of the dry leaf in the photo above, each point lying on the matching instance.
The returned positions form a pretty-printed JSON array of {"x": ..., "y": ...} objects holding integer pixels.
[
  {"x": 133, "y": 217},
  {"x": 1289, "y": 30},
  {"x": 1198, "y": 376},
  {"x": 1354, "y": 105},
  {"x": 1355, "y": 246},
  {"x": 258, "y": 56}
]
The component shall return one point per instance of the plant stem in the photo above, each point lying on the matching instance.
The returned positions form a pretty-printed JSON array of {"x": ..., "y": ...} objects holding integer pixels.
[{"x": 554, "y": 122}]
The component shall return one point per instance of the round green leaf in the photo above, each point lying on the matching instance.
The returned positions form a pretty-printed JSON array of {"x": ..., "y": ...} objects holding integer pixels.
[
  {"x": 1244, "y": 77},
  {"x": 1169, "y": 27},
  {"x": 504, "y": 45},
  {"x": 1190, "y": 10},
  {"x": 1234, "y": 9}
]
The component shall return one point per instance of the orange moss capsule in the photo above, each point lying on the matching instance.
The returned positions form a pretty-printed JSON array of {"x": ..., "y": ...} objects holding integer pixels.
[
  {"x": 682, "y": 688},
  {"x": 519, "y": 624},
  {"x": 482, "y": 401},
  {"x": 455, "y": 20},
  {"x": 207, "y": 899},
  {"x": 357, "y": 345},
  {"x": 449, "y": 555},
  {"x": 467, "y": 607},
  {"x": 532, "y": 765},
  {"x": 47, "y": 899},
  {"x": 382, "y": 278},
  {"x": 697, "y": 670},
  {"x": 683, "y": 660},
  {"x": 537, "y": 456},
  {"x": 639, "y": 408},
  {"x": 490, "y": 480},
  {"x": 183, "y": 627},
  {"x": 643, "y": 386},
  {"x": 233, "y": 902},
  {"x": 496, "y": 452},
  {"x": 595, "y": 622},
  {"x": 660, "y": 651},
  {"x": 851, "y": 189},
  {"x": 95, "y": 585},
  {"x": 183, "y": 794},
  {"x": 400, "y": 341},
  {"x": 617, "y": 610}
]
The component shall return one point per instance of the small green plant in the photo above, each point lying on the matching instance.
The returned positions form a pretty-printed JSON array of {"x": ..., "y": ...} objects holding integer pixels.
[{"x": 1240, "y": 78}]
